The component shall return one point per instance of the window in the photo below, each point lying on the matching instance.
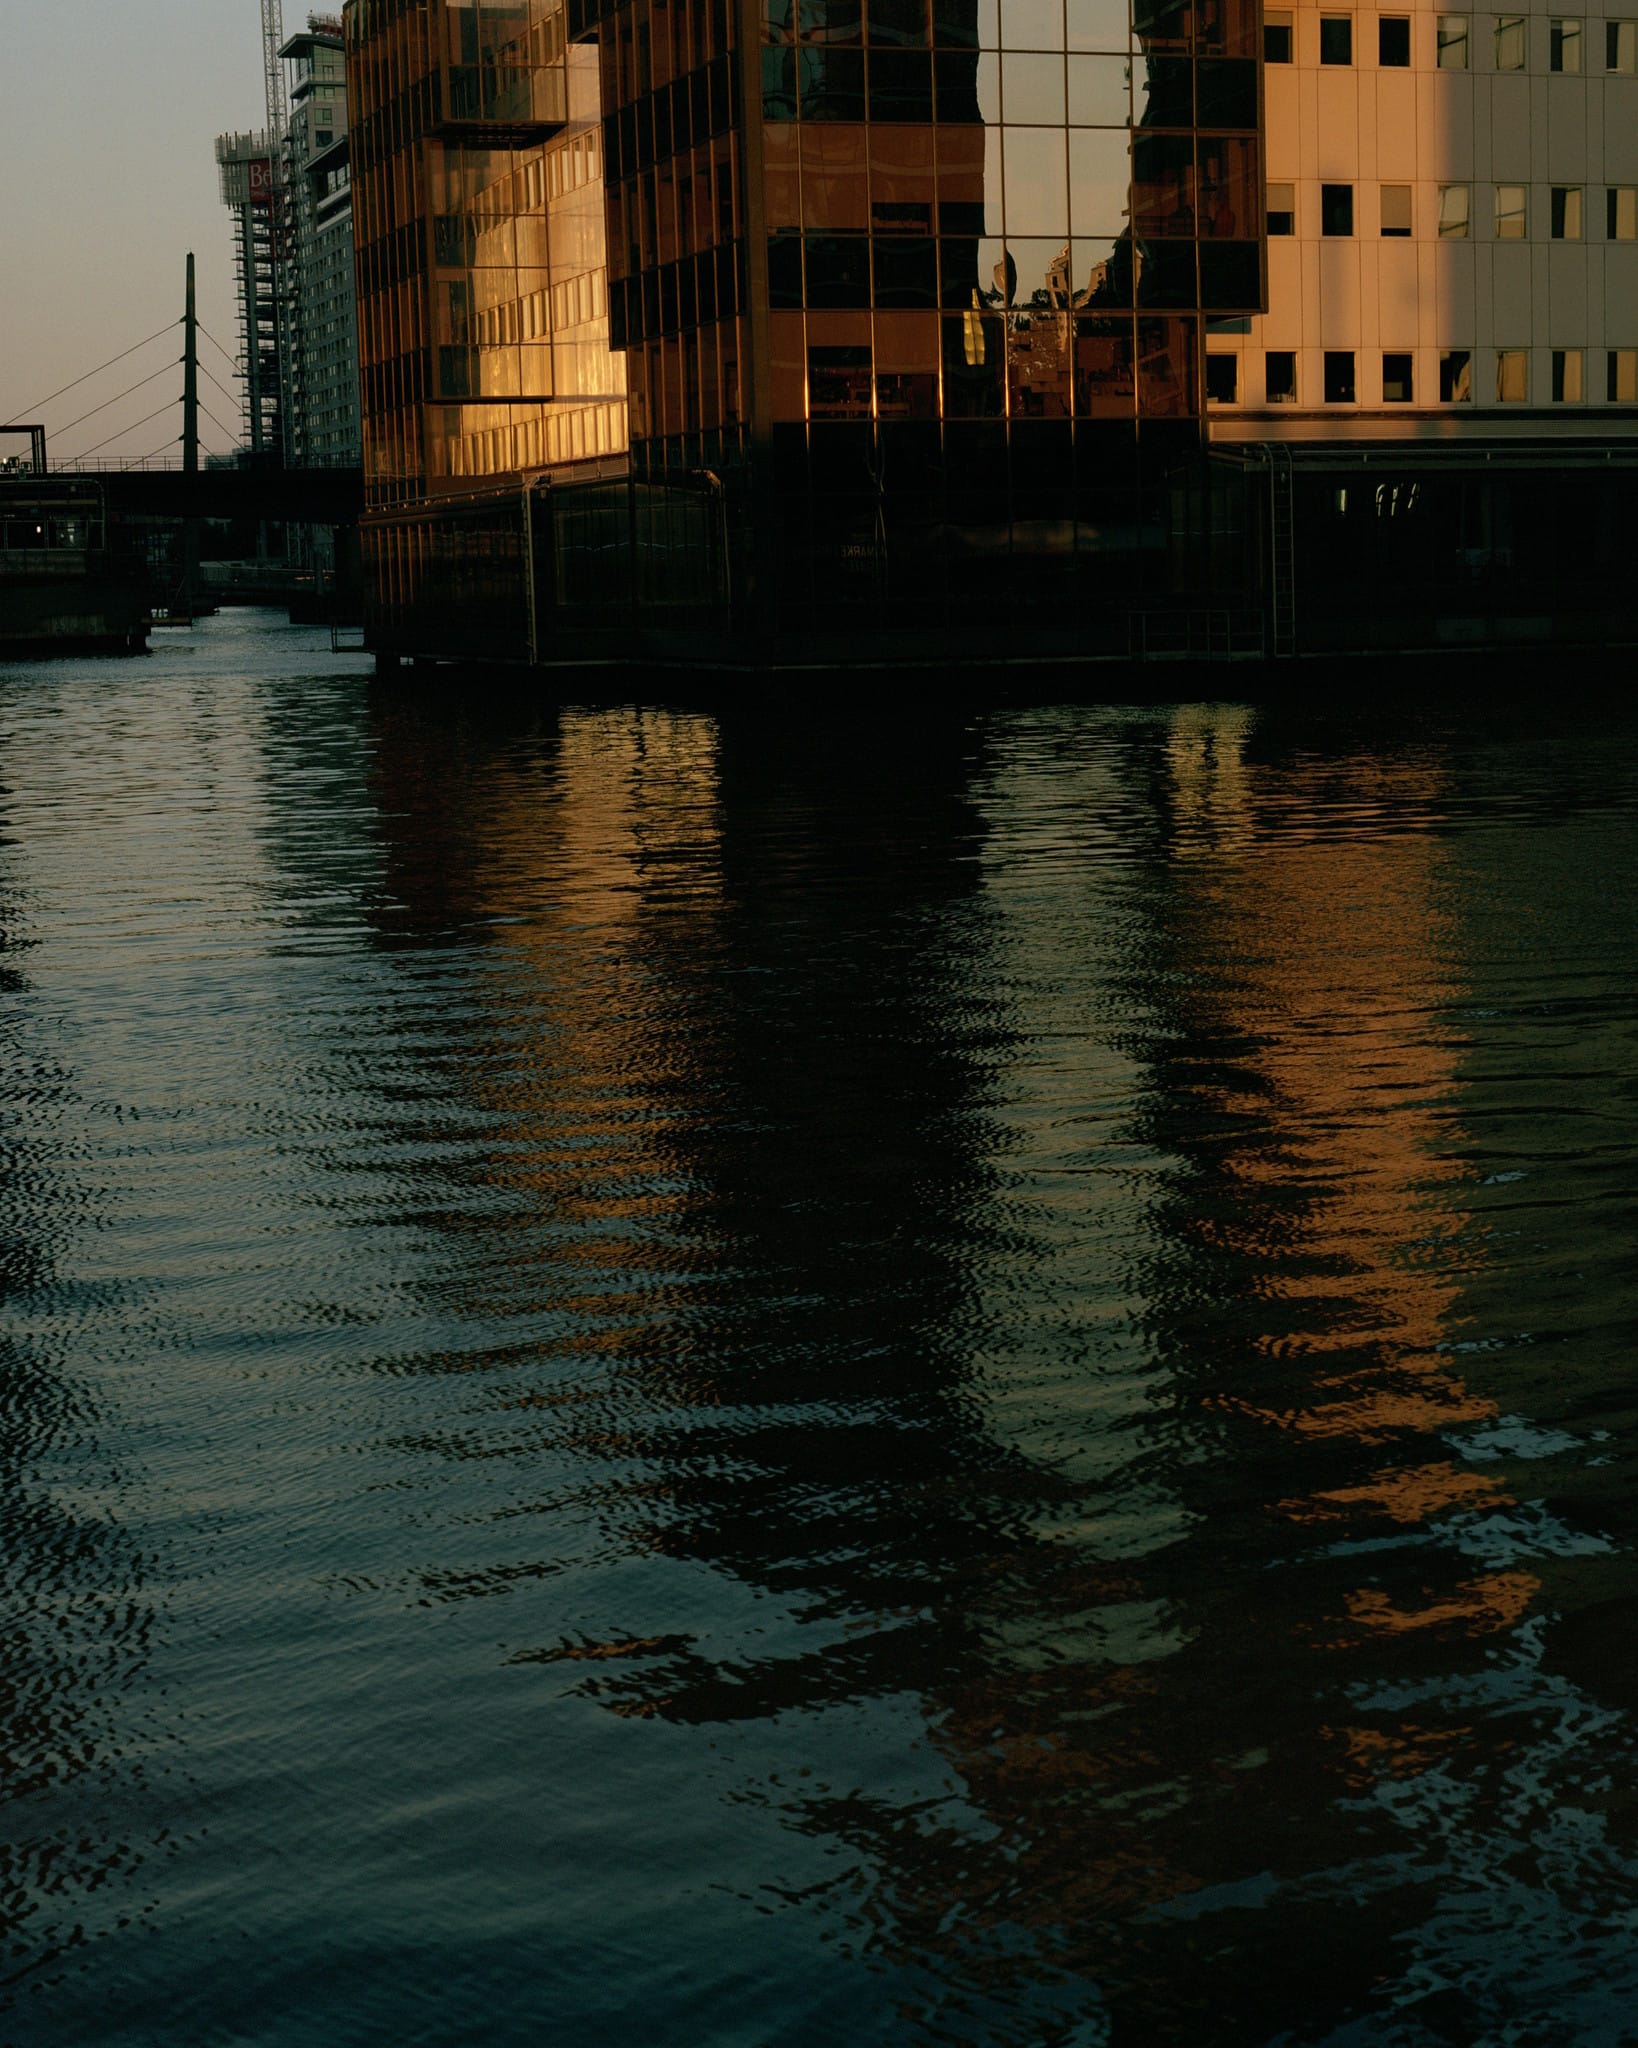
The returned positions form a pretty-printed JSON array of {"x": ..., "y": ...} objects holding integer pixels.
[
  {"x": 1453, "y": 210},
  {"x": 1336, "y": 209},
  {"x": 1396, "y": 209},
  {"x": 1452, "y": 43},
  {"x": 1566, "y": 213},
  {"x": 1512, "y": 376},
  {"x": 1276, "y": 38},
  {"x": 1621, "y": 376},
  {"x": 1510, "y": 42},
  {"x": 1337, "y": 39},
  {"x": 1566, "y": 376},
  {"x": 1620, "y": 213},
  {"x": 1455, "y": 377},
  {"x": 1222, "y": 378},
  {"x": 1621, "y": 46},
  {"x": 1396, "y": 379},
  {"x": 1564, "y": 46},
  {"x": 1280, "y": 376},
  {"x": 1282, "y": 209},
  {"x": 1339, "y": 376},
  {"x": 1393, "y": 39},
  {"x": 1510, "y": 213}
]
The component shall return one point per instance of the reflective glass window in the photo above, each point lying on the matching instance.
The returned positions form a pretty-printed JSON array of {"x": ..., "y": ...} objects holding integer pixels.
[
  {"x": 1336, "y": 209},
  {"x": 1454, "y": 207},
  {"x": 1512, "y": 376},
  {"x": 1095, "y": 25},
  {"x": 1396, "y": 210},
  {"x": 1393, "y": 40},
  {"x": 1564, "y": 46},
  {"x": 1455, "y": 376},
  {"x": 1336, "y": 39},
  {"x": 1099, "y": 92},
  {"x": 1452, "y": 42},
  {"x": 1222, "y": 377},
  {"x": 1280, "y": 377},
  {"x": 1032, "y": 89}
]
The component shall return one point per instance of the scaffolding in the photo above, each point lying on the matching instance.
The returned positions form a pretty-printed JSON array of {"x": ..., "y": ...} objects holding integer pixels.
[{"x": 246, "y": 163}]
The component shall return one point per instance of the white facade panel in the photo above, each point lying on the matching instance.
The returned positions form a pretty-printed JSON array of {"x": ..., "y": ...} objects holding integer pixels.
[{"x": 1534, "y": 296}]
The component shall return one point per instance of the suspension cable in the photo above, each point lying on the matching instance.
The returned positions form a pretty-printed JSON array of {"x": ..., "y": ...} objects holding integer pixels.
[
  {"x": 131, "y": 429},
  {"x": 97, "y": 372},
  {"x": 231, "y": 396},
  {"x": 215, "y": 422},
  {"x": 107, "y": 402},
  {"x": 233, "y": 361},
  {"x": 152, "y": 452}
]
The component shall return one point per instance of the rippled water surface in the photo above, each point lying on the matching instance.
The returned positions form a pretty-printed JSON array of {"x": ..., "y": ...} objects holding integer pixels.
[{"x": 818, "y": 1379}]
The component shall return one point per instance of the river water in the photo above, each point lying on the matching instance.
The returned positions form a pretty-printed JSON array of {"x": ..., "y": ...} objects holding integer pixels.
[{"x": 835, "y": 1378}]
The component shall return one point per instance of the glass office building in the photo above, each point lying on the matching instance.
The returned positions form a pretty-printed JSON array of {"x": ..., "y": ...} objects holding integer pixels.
[{"x": 878, "y": 314}]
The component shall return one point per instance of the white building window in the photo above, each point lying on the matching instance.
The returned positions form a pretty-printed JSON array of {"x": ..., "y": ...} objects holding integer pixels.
[
  {"x": 1621, "y": 376},
  {"x": 1510, "y": 213},
  {"x": 1455, "y": 377},
  {"x": 1396, "y": 209},
  {"x": 1398, "y": 378},
  {"x": 1564, "y": 46},
  {"x": 1566, "y": 376},
  {"x": 1621, "y": 213},
  {"x": 1282, "y": 209},
  {"x": 1277, "y": 34},
  {"x": 1621, "y": 46},
  {"x": 1336, "y": 38},
  {"x": 1512, "y": 376},
  {"x": 1453, "y": 210},
  {"x": 1566, "y": 213},
  {"x": 1510, "y": 42},
  {"x": 1452, "y": 42}
]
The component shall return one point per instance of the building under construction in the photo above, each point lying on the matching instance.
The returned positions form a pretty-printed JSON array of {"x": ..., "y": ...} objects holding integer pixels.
[
  {"x": 246, "y": 164},
  {"x": 288, "y": 187}
]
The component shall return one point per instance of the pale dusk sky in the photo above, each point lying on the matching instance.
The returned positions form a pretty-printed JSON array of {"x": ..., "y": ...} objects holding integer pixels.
[{"x": 109, "y": 111}]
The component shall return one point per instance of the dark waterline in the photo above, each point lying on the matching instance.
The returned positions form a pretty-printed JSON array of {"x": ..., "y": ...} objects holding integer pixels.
[{"x": 701, "y": 1379}]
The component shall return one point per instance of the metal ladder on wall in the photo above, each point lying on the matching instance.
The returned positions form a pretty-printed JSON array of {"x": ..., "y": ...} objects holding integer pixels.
[{"x": 1282, "y": 552}]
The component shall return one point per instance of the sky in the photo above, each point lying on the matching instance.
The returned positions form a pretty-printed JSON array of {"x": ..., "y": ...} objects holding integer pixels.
[{"x": 109, "y": 112}]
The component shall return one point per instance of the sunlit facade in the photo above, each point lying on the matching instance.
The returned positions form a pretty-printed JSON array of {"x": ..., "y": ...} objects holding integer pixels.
[
  {"x": 962, "y": 325},
  {"x": 892, "y": 316}
]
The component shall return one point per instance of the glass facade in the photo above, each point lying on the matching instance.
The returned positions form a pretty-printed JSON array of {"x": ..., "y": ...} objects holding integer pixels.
[
  {"x": 478, "y": 209},
  {"x": 923, "y": 283}
]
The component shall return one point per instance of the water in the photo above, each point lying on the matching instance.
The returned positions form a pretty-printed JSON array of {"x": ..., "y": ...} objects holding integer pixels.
[{"x": 804, "y": 1380}]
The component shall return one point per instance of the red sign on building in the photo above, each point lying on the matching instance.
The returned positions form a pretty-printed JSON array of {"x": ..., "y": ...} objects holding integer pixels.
[{"x": 261, "y": 180}]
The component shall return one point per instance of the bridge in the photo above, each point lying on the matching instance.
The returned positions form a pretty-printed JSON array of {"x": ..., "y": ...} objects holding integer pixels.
[{"x": 169, "y": 482}]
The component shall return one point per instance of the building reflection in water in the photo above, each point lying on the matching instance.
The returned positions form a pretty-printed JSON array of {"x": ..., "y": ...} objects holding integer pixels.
[{"x": 1002, "y": 1230}]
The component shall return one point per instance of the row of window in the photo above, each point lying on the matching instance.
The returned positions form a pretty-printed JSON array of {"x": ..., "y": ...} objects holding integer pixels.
[
  {"x": 1456, "y": 385},
  {"x": 1566, "y": 211},
  {"x": 1000, "y": 24},
  {"x": 1509, "y": 41}
]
